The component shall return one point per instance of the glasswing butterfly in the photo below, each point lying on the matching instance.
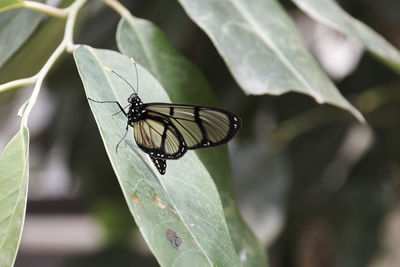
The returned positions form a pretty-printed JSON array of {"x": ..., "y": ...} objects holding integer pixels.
[{"x": 166, "y": 131}]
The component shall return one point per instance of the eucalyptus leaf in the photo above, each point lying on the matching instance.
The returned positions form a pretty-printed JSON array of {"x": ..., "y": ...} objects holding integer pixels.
[
  {"x": 263, "y": 49},
  {"x": 184, "y": 83},
  {"x": 14, "y": 169},
  {"x": 9, "y": 4},
  {"x": 331, "y": 14},
  {"x": 16, "y": 27},
  {"x": 179, "y": 214}
]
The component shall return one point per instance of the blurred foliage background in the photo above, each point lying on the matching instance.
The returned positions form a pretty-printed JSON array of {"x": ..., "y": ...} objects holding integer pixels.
[{"x": 316, "y": 186}]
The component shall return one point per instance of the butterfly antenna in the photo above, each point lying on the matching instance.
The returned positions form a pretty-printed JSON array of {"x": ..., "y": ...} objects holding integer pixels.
[
  {"x": 110, "y": 70},
  {"x": 137, "y": 76}
]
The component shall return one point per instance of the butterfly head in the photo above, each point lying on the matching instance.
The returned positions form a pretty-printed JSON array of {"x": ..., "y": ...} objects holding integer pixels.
[{"x": 134, "y": 100}]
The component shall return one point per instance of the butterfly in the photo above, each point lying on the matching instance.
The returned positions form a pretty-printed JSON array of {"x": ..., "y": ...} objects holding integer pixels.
[{"x": 167, "y": 131}]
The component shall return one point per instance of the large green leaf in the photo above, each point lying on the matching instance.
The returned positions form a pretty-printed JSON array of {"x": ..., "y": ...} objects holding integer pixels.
[
  {"x": 16, "y": 27},
  {"x": 184, "y": 201},
  {"x": 331, "y": 14},
  {"x": 184, "y": 83},
  {"x": 9, "y": 4},
  {"x": 14, "y": 168},
  {"x": 263, "y": 49}
]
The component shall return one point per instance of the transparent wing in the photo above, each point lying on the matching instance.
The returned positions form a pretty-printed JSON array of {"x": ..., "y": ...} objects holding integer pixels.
[
  {"x": 159, "y": 138},
  {"x": 199, "y": 126}
]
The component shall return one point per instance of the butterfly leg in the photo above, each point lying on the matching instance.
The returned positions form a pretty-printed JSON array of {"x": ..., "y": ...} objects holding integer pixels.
[
  {"x": 121, "y": 110},
  {"x": 126, "y": 132},
  {"x": 114, "y": 102}
]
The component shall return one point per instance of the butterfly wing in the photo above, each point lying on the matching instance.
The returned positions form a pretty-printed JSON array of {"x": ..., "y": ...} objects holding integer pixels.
[
  {"x": 199, "y": 126},
  {"x": 159, "y": 138},
  {"x": 168, "y": 130}
]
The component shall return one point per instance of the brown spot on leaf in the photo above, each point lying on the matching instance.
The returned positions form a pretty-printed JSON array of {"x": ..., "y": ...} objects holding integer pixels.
[
  {"x": 158, "y": 202},
  {"x": 137, "y": 199},
  {"x": 173, "y": 210}
]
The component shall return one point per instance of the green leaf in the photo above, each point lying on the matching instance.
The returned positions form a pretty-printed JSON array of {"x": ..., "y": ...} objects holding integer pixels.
[
  {"x": 184, "y": 83},
  {"x": 16, "y": 27},
  {"x": 14, "y": 169},
  {"x": 263, "y": 49},
  {"x": 331, "y": 14},
  {"x": 184, "y": 201},
  {"x": 9, "y": 4}
]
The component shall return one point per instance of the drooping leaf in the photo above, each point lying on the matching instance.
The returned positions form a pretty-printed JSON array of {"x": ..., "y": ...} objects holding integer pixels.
[
  {"x": 184, "y": 83},
  {"x": 16, "y": 27},
  {"x": 263, "y": 49},
  {"x": 14, "y": 169},
  {"x": 179, "y": 214},
  {"x": 9, "y": 4},
  {"x": 331, "y": 14}
]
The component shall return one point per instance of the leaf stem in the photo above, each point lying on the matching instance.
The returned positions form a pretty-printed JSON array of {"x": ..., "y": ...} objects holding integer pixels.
[
  {"x": 69, "y": 26},
  {"x": 47, "y": 9},
  {"x": 66, "y": 45},
  {"x": 118, "y": 7},
  {"x": 18, "y": 83},
  {"x": 40, "y": 77}
]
